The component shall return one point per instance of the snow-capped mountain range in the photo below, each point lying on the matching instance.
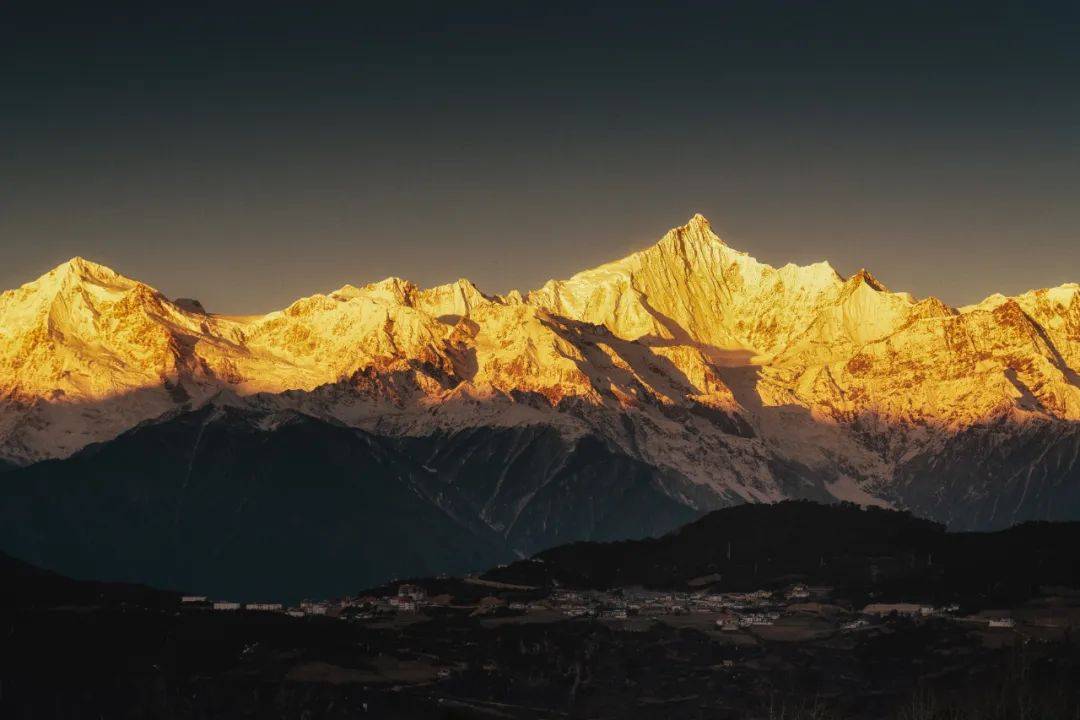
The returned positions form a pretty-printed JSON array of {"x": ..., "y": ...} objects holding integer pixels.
[{"x": 732, "y": 380}]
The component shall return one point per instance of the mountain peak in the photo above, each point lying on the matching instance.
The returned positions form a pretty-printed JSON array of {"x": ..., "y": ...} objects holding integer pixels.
[
  {"x": 865, "y": 276},
  {"x": 77, "y": 272},
  {"x": 693, "y": 237},
  {"x": 698, "y": 227},
  {"x": 393, "y": 290},
  {"x": 80, "y": 272},
  {"x": 698, "y": 221},
  {"x": 83, "y": 268}
]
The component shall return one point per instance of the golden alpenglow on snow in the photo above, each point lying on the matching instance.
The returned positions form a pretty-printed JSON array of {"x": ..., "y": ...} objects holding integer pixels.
[{"x": 733, "y": 379}]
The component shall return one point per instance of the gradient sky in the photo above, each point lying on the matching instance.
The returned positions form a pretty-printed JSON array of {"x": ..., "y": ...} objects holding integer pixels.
[{"x": 251, "y": 155}]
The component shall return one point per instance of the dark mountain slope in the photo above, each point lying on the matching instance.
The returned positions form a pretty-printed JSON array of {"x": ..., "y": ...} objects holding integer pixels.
[
  {"x": 221, "y": 501},
  {"x": 249, "y": 504},
  {"x": 28, "y": 586},
  {"x": 541, "y": 490},
  {"x": 861, "y": 551},
  {"x": 990, "y": 477}
]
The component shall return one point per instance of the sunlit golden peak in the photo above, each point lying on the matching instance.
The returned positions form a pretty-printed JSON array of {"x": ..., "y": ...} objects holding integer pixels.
[
  {"x": 698, "y": 221},
  {"x": 83, "y": 267},
  {"x": 865, "y": 276},
  {"x": 698, "y": 228},
  {"x": 79, "y": 271}
]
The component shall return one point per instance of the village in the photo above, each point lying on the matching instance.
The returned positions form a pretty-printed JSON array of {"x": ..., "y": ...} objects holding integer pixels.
[
  {"x": 730, "y": 611},
  {"x": 445, "y": 642}
]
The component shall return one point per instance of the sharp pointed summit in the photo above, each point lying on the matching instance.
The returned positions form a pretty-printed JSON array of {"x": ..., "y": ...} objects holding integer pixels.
[
  {"x": 692, "y": 238},
  {"x": 865, "y": 276},
  {"x": 698, "y": 224}
]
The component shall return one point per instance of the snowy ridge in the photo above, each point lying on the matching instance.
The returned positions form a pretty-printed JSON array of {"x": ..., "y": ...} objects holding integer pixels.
[{"x": 752, "y": 382}]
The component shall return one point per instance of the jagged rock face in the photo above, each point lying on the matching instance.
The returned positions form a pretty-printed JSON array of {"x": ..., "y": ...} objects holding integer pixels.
[
  {"x": 994, "y": 475},
  {"x": 731, "y": 379}
]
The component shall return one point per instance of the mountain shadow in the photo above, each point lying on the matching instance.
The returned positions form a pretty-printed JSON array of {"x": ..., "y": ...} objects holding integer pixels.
[
  {"x": 539, "y": 489},
  {"x": 216, "y": 501},
  {"x": 246, "y": 504},
  {"x": 861, "y": 552}
]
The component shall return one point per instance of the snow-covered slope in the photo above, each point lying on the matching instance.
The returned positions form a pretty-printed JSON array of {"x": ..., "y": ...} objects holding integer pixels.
[{"x": 744, "y": 381}]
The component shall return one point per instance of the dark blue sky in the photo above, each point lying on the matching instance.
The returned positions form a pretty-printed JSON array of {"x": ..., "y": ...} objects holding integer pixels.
[{"x": 249, "y": 154}]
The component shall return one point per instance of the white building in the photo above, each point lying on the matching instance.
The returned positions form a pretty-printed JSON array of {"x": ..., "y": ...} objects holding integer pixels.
[
  {"x": 313, "y": 608},
  {"x": 224, "y": 605},
  {"x": 403, "y": 603},
  {"x": 413, "y": 592},
  {"x": 760, "y": 618}
]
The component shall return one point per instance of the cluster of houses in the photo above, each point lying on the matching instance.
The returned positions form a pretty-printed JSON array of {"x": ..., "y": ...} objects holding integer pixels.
[
  {"x": 901, "y": 609},
  {"x": 409, "y": 598},
  {"x": 753, "y": 608},
  {"x": 735, "y": 610},
  {"x": 916, "y": 610},
  {"x": 760, "y": 607},
  {"x": 750, "y": 608},
  {"x": 735, "y": 621},
  {"x": 202, "y": 602}
]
